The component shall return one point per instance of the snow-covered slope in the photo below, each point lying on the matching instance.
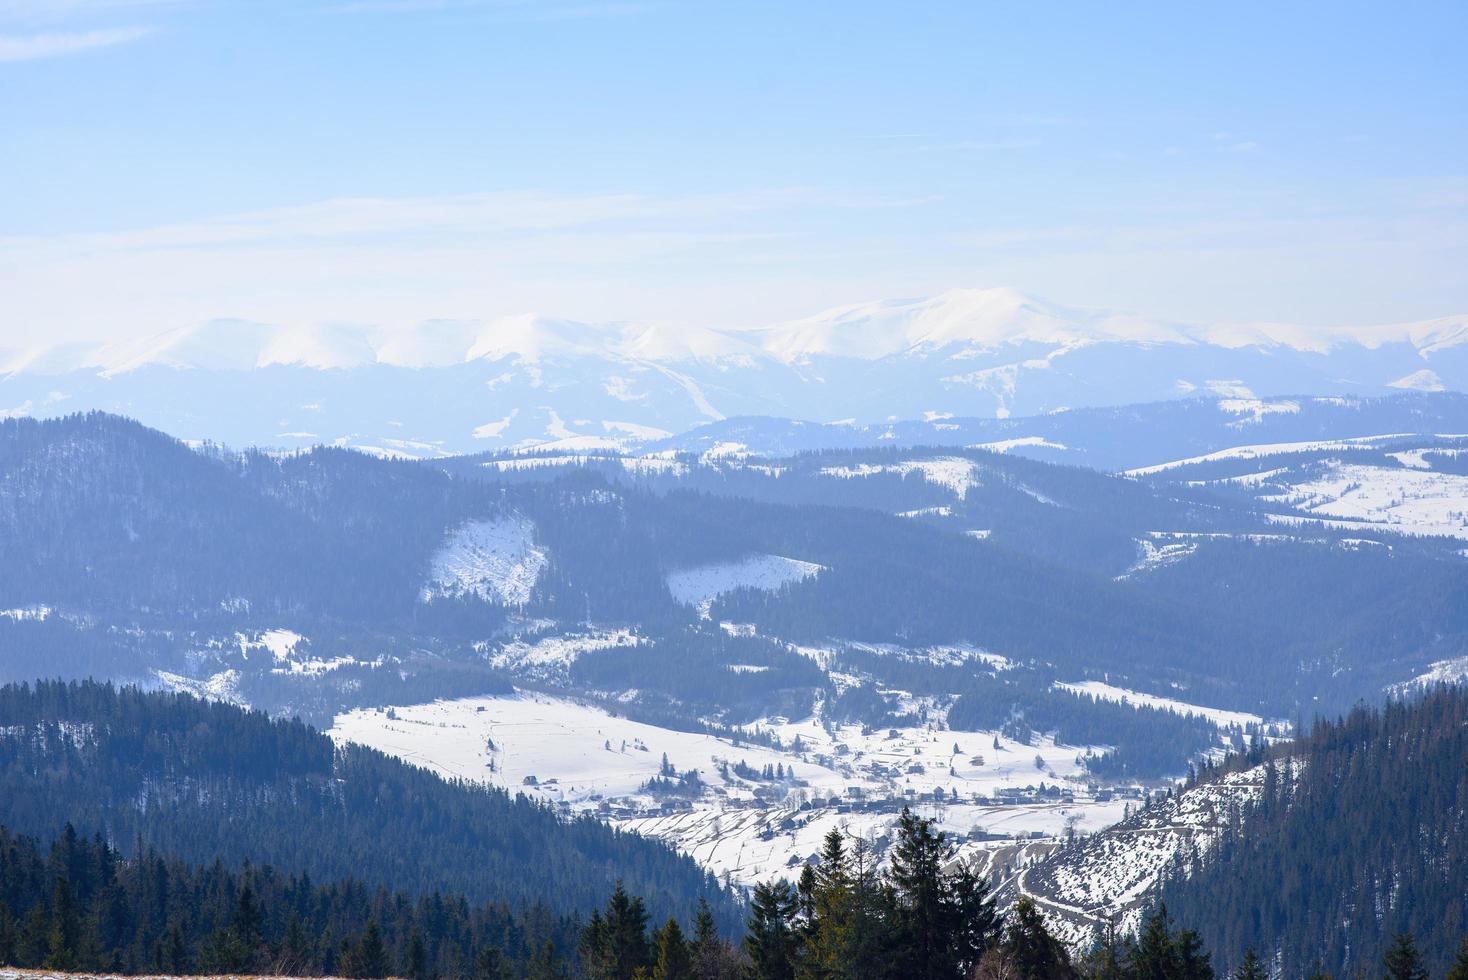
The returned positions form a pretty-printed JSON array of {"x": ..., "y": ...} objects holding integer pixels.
[
  {"x": 700, "y": 585},
  {"x": 466, "y": 385},
  {"x": 1107, "y": 876},
  {"x": 495, "y": 560}
]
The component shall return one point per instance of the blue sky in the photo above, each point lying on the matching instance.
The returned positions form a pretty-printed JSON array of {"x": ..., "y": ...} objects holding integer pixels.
[{"x": 165, "y": 162}]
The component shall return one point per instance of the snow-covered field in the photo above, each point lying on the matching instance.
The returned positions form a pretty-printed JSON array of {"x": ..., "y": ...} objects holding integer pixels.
[
  {"x": 1106, "y": 692},
  {"x": 1267, "y": 449},
  {"x": 542, "y": 656},
  {"x": 1407, "y": 500},
  {"x": 36, "y": 613},
  {"x": 701, "y": 585},
  {"x": 577, "y": 752},
  {"x": 953, "y": 473},
  {"x": 583, "y": 758},
  {"x": 494, "y": 560},
  {"x": 1452, "y": 671}
]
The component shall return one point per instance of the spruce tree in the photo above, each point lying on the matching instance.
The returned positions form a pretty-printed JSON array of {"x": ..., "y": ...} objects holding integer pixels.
[
  {"x": 771, "y": 941},
  {"x": 1459, "y": 969},
  {"x": 1034, "y": 952},
  {"x": 713, "y": 958},
  {"x": 926, "y": 918},
  {"x": 1155, "y": 957},
  {"x": 979, "y": 923},
  {"x": 415, "y": 961},
  {"x": 1402, "y": 961},
  {"x": 673, "y": 959},
  {"x": 614, "y": 945},
  {"x": 371, "y": 960},
  {"x": 544, "y": 965},
  {"x": 65, "y": 928},
  {"x": 829, "y": 934},
  {"x": 1251, "y": 969},
  {"x": 489, "y": 964}
]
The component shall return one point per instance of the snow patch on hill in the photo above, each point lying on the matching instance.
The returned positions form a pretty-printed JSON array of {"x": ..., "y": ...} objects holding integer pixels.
[
  {"x": 1407, "y": 499},
  {"x": 1267, "y": 449},
  {"x": 494, "y": 560},
  {"x": 1221, "y": 717},
  {"x": 953, "y": 473},
  {"x": 1107, "y": 876},
  {"x": 701, "y": 585}
]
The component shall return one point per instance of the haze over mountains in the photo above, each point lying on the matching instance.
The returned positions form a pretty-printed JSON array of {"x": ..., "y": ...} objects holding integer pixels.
[{"x": 466, "y": 385}]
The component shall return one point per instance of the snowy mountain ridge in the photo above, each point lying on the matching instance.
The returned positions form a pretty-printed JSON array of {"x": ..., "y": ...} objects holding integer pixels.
[
  {"x": 458, "y": 386},
  {"x": 983, "y": 319}
]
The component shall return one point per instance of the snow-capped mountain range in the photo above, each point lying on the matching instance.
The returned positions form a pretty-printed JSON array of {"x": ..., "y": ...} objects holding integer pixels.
[{"x": 463, "y": 385}]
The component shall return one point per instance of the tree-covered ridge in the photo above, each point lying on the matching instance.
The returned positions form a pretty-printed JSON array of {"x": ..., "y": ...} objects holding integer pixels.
[
  {"x": 83, "y": 906},
  {"x": 922, "y": 918},
  {"x": 1368, "y": 840},
  {"x": 201, "y": 780}
]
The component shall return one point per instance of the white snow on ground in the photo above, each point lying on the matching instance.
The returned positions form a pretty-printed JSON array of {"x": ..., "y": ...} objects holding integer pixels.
[
  {"x": 494, "y": 560},
  {"x": 548, "y": 655},
  {"x": 37, "y": 613},
  {"x": 944, "y": 511},
  {"x": 1154, "y": 553},
  {"x": 1411, "y": 501},
  {"x": 1243, "y": 479},
  {"x": 1256, "y": 409},
  {"x": 223, "y": 686},
  {"x": 1454, "y": 671},
  {"x": 279, "y": 643},
  {"x": 632, "y": 464},
  {"x": 1266, "y": 449},
  {"x": 701, "y": 585},
  {"x": 953, "y": 473},
  {"x": 1109, "y": 874},
  {"x": 563, "y": 743},
  {"x": 1005, "y": 445},
  {"x": 585, "y": 759},
  {"x": 1106, "y": 692},
  {"x": 289, "y": 651}
]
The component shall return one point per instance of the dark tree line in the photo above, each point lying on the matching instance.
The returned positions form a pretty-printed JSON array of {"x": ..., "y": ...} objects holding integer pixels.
[
  {"x": 199, "y": 780},
  {"x": 1361, "y": 833},
  {"x": 82, "y": 906}
]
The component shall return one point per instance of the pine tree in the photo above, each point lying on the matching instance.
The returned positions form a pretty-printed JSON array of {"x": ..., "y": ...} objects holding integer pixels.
[
  {"x": 771, "y": 940},
  {"x": 614, "y": 945},
  {"x": 713, "y": 958},
  {"x": 827, "y": 891},
  {"x": 1459, "y": 969},
  {"x": 1402, "y": 961},
  {"x": 415, "y": 963},
  {"x": 977, "y": 917},
  {"x": 1155, "y": 957},
  {"x": 926, "y": 918},
  {"x": 543, "y": 965},
  {"x": 65, "y": 929},
  {"x": 1251, "y": 969},
  {"x": 674, "y": 961},
  {"x": 489, "y": 964},
  {"x": 1035, "y": 953},
  {"x": 371, "y": 953}
]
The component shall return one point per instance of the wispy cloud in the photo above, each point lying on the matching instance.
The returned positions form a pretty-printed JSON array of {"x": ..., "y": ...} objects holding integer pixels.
[{"x": 35, "y": 46}]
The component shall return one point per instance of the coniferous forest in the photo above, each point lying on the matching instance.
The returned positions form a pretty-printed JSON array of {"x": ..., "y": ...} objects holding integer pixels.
[
  {"x": 200, "y": 781},
  {"x": 81, "y": 906}
]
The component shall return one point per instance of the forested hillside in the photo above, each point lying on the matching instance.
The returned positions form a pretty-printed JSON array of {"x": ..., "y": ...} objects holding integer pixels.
[
  {"x": 81, "y": 905},
  {"x": 1368, "y": 840},
  {"x": 200, "y": 781}
]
